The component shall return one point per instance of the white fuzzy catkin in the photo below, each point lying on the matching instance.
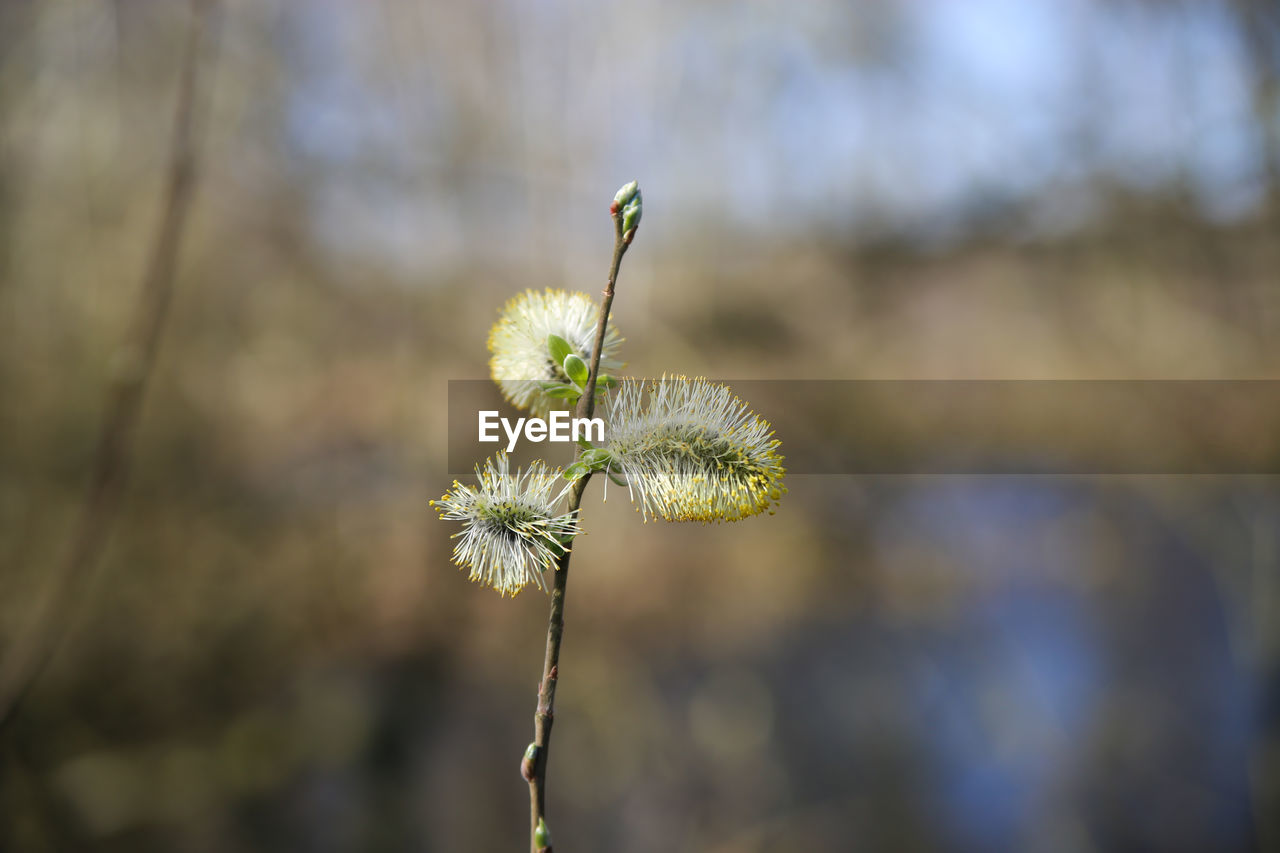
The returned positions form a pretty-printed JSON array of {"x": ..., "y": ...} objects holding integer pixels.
[
  {"x": 512, "y": 531},
  {"x": 520, "y": 362}
]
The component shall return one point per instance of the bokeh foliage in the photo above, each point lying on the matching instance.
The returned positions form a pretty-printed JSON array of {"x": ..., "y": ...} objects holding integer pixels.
[{"x": 276, "y": 653}]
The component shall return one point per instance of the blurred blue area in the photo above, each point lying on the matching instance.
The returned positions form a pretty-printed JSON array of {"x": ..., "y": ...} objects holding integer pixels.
[
  {"x": 913, "y": 120},
  {"x": 1009, "y": 709},
  {"x": 1046, "y": 707}
]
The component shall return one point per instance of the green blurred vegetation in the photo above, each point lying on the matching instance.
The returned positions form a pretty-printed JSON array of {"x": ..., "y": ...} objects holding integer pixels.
[{"x": 276, "y": 654}]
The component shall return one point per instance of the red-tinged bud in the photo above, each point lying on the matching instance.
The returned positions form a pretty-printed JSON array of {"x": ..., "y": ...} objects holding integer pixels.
[
  {"x": 630, "y": 206},
  {"x": 626, "y": 194}
]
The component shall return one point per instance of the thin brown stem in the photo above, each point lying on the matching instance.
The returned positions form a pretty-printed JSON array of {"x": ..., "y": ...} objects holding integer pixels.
[
  {"x": 544, "y": 715},
  {"x": 113, "y": 456},
  {"x": 587, "y": 403}
]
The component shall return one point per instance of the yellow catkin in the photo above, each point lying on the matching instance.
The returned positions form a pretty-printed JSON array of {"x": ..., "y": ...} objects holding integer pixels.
[{"x": 692, "y": 451}]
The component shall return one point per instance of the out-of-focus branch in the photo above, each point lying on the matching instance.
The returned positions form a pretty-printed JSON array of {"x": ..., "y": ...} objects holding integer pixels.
[
  {"x": 1260, "y": 27},
  {"x": 27, "y": 657}
]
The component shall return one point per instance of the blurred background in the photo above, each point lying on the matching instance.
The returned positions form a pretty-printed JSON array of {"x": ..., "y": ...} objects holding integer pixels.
[{"x": 270, "y": 650}]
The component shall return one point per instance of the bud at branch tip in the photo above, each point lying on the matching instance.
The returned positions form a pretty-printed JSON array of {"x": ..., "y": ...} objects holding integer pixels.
[{"x": 629, "y": 204}]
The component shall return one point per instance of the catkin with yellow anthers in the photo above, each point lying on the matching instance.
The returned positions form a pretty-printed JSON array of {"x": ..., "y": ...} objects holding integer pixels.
[
  {"x": 692, "y": 451},
  {"x": 512, "y": 531},
  {"x": 520, "y": 361}
]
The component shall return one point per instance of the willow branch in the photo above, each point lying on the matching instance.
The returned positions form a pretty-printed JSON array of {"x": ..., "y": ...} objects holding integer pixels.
[
  {"x": 587, "y": 403},
  {"x": 113, "y": 455},
  {"x": 544, "y": 716}
]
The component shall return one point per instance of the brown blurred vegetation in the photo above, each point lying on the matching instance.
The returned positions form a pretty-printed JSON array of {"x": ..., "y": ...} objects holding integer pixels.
[{"x": 276, "y": 654}]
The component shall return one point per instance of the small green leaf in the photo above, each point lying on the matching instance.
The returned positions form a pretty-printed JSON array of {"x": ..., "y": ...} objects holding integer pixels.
[
  {"x": 576, "y": 471},
  {"x": 542, "y": 835},
  {"x": 607, "y": 381},
  {"x": 564, "y": 392},
  {"x": 576, "y": 369},
  {"x": 616, "y": 478},
  {"x": 558, "y": 347},
  {"x": 631, "y": 214},
  {"x": 627, "y": 193},
  {"x": 595, "y": 458},
  {"x": 585, "y": 445}
]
